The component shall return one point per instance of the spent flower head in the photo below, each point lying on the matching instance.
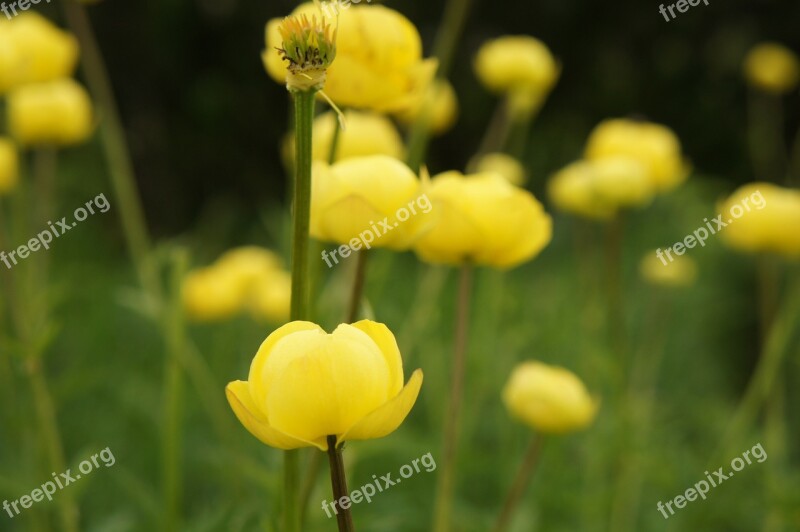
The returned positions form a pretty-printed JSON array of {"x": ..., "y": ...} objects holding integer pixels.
[{"x": 309, "y": 46}]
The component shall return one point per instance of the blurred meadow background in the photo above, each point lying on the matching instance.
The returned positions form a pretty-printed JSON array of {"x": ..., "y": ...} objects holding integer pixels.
[{"x": 113, "y": 338}]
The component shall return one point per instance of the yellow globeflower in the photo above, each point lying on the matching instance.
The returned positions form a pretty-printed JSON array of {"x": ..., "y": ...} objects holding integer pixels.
[
  {"x": 505, "y": 165},
  {"x": 375, "y": 200},
  {"x": 439, "y": 102},
  {"x": 378, "y": 61},
  {"x": 9, "y": 166},
  {"x": 272, "y": 297},
  {"x": 305, "y": 385},
  {"x": 212, "y": 294},
  {"x": 622, "y": 181},
  {"x": 56, "y": 112},
  {"x": 763, "y": 218},
  {"x": 772, "y": 67},
  {"x": 550, "y": 399},
  {"x": 653, "y": 145},
  {"x": 573, "y": 190},
  {"x": 680, "y": 271},
  {"x": 483, "y": 219}
]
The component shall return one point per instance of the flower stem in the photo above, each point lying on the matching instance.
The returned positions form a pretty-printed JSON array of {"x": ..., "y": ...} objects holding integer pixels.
[
  {"x": 339, "y": 484},
  {"x": 520, "y": 483},
  {"x": 444, "y": 487},
  {"x": 358, "y": 286}
]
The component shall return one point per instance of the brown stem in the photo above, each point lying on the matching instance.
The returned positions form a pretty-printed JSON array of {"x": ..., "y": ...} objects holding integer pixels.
[
  {"x": 339, "y": 484},
  {"x": 521, "y": 482}
]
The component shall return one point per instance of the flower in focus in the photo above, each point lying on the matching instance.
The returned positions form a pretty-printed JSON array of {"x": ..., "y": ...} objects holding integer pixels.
[
  {"x": 308, "y": 46},
  {"x": 678, "y": 272},
  {"x": 246, "y": 278},
  {"x": 56, "y": 112},
  {"x": 33, "y": 50},
  {"x": 440, "y": 105},
  {"x": 521, "y": 67},
  {"x": 305, "y": 385},
  {"x": 505, "y": 165},
  {"x": 9, "y": 165},
  {"x": 772, "y": 68},
  {"x": 378, "y": 63},
  {"x": 653, "y": 145},
  {"x": 769, "y": 219},
  {"x": 362, "y": 194},
  {"x": 483, "y": 219},
  {"x": 549, "y": 399}
]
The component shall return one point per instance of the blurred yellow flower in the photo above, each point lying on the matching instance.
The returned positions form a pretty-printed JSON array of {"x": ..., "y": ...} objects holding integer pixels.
[
  {"x": 573, "y": 189},
  {"x": 440, "y": 105},
  {"x": 483, "y": 219},
  {"x": 622, "y": 181},
  {"x": 355, "y": 195},
  {"x": 505, "y": 165},
  {"x": 772, "y": 68},
  {"x": 212, "y": 294},
  {"x": 33, "y": 50},
  {"x": 549, "y": 399},
  {"x": 770, "y": 222},
  {"x": 272, "y": 297},
  {"x": 378, "y": 62},
  {"x": 9, "y": 165},
  {"x": 56, "y": 112},
  {"x": 653, "y": 145},
  {"x": 680, "y": 271},
  {"x": 305, "y": 385}
]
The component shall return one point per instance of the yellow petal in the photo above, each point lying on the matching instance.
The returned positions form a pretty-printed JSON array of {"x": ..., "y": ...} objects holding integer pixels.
[
  {"x": 241, "y": 401},
  {"x": 388, "y": 417},
  {"x": 383, "y": 337}
]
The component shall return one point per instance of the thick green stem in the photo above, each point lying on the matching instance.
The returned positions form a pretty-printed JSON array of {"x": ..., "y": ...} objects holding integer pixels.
[
  {"x": 446, "y": 479},
  {"x": 520, "y": 483},
  {"x": 339, "y": 484},
  {"x": 358, "y": 285}
]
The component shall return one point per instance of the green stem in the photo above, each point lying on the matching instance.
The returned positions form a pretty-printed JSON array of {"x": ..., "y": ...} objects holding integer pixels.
[
  {"x": 445, "y": 484},
  {"x": 312, "y": 472},
  {"x": 616, "y": 312},
  {"x": 339, "y": 484},
  {"x": 520, "y": 483},
  {"x": 358, "y": 285}
]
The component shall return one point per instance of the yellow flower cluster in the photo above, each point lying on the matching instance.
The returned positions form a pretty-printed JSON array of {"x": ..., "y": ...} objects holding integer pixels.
[
  {"x": 772, "y": 67},
  {"x": 247, "y": 278}
]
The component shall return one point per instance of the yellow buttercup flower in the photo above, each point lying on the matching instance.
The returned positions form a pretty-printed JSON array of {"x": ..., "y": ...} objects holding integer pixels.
[
  {"x": 56, "y": 112},
  {"x": 772, "y": 67},
  {"x": 439, "y": 102},
  {"x": 653, "y": 145},
  {"x": 378, "y": 195},
  {"x": 305, "y": 385},
  {"x": 505, "y": 165},
  {"x": 573, "y": 190},
  {"x": 9, "y": 166},
  {"x": 483, "y": 219},
  {"x": 549, "y": 399},
  {"x": 765, "y": 218},
  {"x": 378, "y": 62},
  {"x": 678, "y": 272}
]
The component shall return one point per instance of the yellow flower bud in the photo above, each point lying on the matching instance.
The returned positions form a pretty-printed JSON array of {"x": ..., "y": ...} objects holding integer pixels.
[
  {"x": 363, "y": 194},
  {"x": 483, "y": 219},
  {"x": 378, "y": 62},
  {"x": 505, "y": 165},
  {"x": 440, "y": 103},
  {"x": 772, "y": 68},
  {"x": 653, "y": 145},
  {"x": 769, "y": 219},
  {"x": 573, "y": 190},
  {"x": 212, "y": 294},
  {"x": 549, "y": 399},
  {"x": 272, "y": 297},
  {"x": 9, "y": 166},
  {"x": 678, "y": 272},
  {"x": 305, "y": 385},
  {"x": 622, "y": 181},
  {"x": 56, "y": 112}
]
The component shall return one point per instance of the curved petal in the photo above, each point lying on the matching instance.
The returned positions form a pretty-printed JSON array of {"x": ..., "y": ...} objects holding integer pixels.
[
  {"x": 382, "y": 336},
  {"x": 385, "y": 419},
  {"x": 241, "y": 401}
]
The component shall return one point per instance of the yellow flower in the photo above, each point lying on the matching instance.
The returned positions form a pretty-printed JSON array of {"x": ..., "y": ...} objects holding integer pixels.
[
  {"x": 505, "y": 165},
  {"x": 34, "y": 50},
  {"x": 212, "y": 294},
  {"x": 272, "y": 297},
  {"x": 305, "y": 385},
  {"x": 56, "y": 112},
  {"x": 378, "y": 62},
  {"x": 439, "y": 102},
  {"x": 9, "y": 165},
  {"x": 366, "y": 134},
  {"x": 653, "y": 145},
  {"x": 573, "y": 190},
  {"x": 550, "y": 399},
  {"x": 763, "y": 218},
  {"x": 680, "y": 271},
  {"x": 772, "y": 68},
  {"x": 483, "y": 219},
  {"x": 377, "y": 194},
  {"x": 622, "y": 181},
  {"x": 520, "y": 66}
]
